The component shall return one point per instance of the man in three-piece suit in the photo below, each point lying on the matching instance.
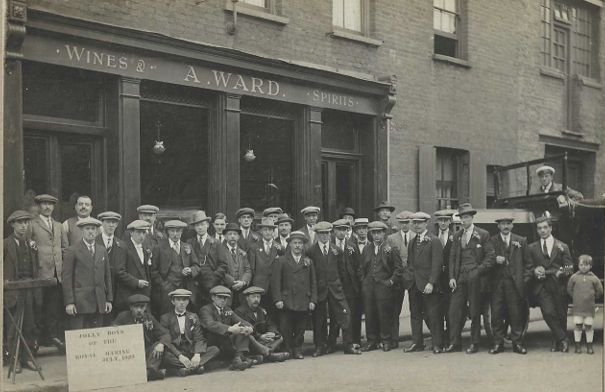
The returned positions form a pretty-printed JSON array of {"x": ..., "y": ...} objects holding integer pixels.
[
  {"x": 155, "y": 336},
  {"x": 446, "y": 236},
  {"x": 226, "y": 330},
  {"x": 507, "y": 279},
  {"x": 311, "y": 214},
  {"x": 174, "y": 266},
  {"x": 247, "y": 237},
  {"x": 549, "y": 266},
  {"x": 51, "y": 240},
  {"x": 87, "y": 291},
  {"x": 425, "y": 256},
  {"x": 83, "y": 208},
  {"x": 116, "y": 248},
  {"x": 212, "y": 269},
  {"x": 239, "y": 273},
  {"x": 380, "y": 270},
  {"x": 261, "y": 256},
  {"x": 133, "y": 271},
  {"x": 189, "y": 351},
  {"x": 294, "y": 290},
  {"x": 401, "y": 240},
  {"x": 471, "y": 257}
]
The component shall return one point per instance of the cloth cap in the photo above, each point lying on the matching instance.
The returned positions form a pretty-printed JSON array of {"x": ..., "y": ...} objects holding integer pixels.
[
  {"x": 244, "y": 211},
  {"x": 376, "y": 226},
  {"x": 46, "y": 198},
  {"x": 404, "y": 215},
  {"x": 220, "y": 291},
  {"x": 309, "y": 210},
  {"x": 323, "y": 226},
  {"x": 138, "y": 299},
  {"x": 139, "y": 225},
  {"x": 420, "y": 216},
  {"x": 254, "y": 290},
  {"x": 109, "y": 215},
  {"x": 505, "y": 218},
  {"x": 19, "y": 215},
  {"x": 272, "y": 210},
  {"x": 266, "y": 222},
  {"x": 88, "y": 222},
  {"x": 174, "y": 224},
  {"x": 298, "y": 234},
  {"x": 148, "y": 209},
  {"x": 341, "y": 224}
]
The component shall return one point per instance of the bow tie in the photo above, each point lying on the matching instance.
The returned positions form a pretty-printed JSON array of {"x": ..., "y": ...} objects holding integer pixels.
[{"x": 180, "y": 315}]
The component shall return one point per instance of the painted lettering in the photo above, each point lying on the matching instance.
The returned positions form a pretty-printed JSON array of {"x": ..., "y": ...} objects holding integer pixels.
[
  {"x": 191, "y": 75},
  {"x": 273, "y": 88},
  {"x": 219, "y": 78},
  {"x": 123, "y": 63},
  {"x": 98, "y": 58},
  {"x": 256, "y": 85},
  {"x": 240, "y": 84},
  {"x": 74, "y": 51}
]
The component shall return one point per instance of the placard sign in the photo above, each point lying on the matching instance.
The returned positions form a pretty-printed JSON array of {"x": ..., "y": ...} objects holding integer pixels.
[{"x": 105, "y": 357}]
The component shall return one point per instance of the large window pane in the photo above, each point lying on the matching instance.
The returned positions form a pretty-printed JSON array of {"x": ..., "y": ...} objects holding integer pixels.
[
  {"x": 338, "y": 131},
  {"x": 76, "y": 169},
  {"x": 347, "y": 14},
  {"x": 35, "y": 159}
]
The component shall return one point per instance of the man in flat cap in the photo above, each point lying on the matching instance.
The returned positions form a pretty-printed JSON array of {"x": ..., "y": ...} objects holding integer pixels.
[
  {"x": 189, "y": 351},
  {"x": 311, "y": 214},
  {"x": 425, "y": 256},
  {"x": 549, "y": 268},
  {"x": 446, "y": 236},
  {"x": 261, "y": 257},
  {"x": 239, "y": 273},
  {"x": 348, "y": 271},
  {"x": 348, "y": 214},
  {"x": 133, "y": 271},
  {"x": 20, "y": 261},
  {"x": 472, "y": 255},
  {"x": 284, "y": 228},
  {"x": 273, "y": 213},
  {"x": 116, "y": 248},
  {"x": 149, "y": 213},
  {"x": 156, "y": 337},
  {"x": 174, "y": 265},
  {"x": 83, "y": 208},
  {"x": 507, "y": 280},
  {"x": 87, "y": 290},
  {"x": 294, "y": 290},
  {"x": 212, "y": 268},
  {"x": 380, "y": 270},
  {"x": 245, "y": 217},
  {"x": 383, "y": 212},
  {"x": 51, "y": 240},
  {"x": 226, "y": 330},
  {"x": 401, "y": 240},
  {"x": 265, "y": 339}
]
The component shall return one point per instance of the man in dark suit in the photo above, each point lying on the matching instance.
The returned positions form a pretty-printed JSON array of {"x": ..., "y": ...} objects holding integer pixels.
[
  {"x": 87, "y": 291},
  {"x": 20, "y": 261},
  {"x": 507, "y": 280},
  {"x": 134, "y": 269},
  {"x": 284, "y": 228},
  {"x": 425, "y": 255},
  {"x": 360, "y": 239},
  {"x": 189, "y": 351},
  {"x": 265, "y": 339},
  {"x": 311, "y": 214},
  {"x": 550, "y": 265},
  {"x": 226, "y": 330},
  {"x": 273, "y": 214},
  {"x": 261, "y": 256},
  {"x": 348, "y": 271},
  {"x": 471, "y": 257},
  {"x": 294, "y": 289},
  {"x": 245, "y": 217},
  {"x": 212, "y": 269},
  {"x": 446, "y": 236},
  {"x": 156, "y": 337},
  {"x": 149, "y": 213},
  {"x": 218, "y": 226},
  {"x": 174, "y": 266},
  {"x": 116, "y": 249},
  {"x": 239, "y": 273},
  {"x": 380, "y": 270}
]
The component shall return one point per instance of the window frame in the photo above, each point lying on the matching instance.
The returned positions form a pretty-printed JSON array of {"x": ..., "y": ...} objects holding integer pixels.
[
  {"x": 458, "y": 36},
  {"x": 273, "y": 12},
  {"x": 364, "y": 35}
]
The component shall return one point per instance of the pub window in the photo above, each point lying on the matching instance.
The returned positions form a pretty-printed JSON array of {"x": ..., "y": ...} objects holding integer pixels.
[
  {"x": 446, "y": 26},
  {"x": 348, "y": 15},
  {"x": 452, "y": 177}
]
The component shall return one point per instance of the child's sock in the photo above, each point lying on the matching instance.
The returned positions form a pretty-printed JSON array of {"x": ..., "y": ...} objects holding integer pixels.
[
  {"x": 577, "y": 333},
  {"x": 589, "y": 333}
]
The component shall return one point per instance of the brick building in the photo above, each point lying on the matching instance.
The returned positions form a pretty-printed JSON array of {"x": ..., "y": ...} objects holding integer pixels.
[{"x": 342, "y": 102}]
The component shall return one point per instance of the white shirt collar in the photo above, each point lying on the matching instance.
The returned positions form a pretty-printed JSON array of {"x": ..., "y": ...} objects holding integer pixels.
[
  {"x": 231, "y": 248},
  {"x": 297, "y": 258},
  {"x": 202, "y": 237},
  {"x": 547, "y": 187},
  {"x": 106, "y": 237}
]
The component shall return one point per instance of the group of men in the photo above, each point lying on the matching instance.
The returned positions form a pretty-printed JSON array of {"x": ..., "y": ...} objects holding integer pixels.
[{"x": 246, "y": 296}]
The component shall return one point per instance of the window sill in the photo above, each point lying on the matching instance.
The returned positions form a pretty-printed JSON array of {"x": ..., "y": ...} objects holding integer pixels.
[
  {"x": 451, "y": 60},
  {"x": 355, "y": 37},
  {"x": 590, "y": 82},
  {"x": 552, "y": 73},
  {"x": 567, "y": 132},
  {"x": 257, "y": 12}
]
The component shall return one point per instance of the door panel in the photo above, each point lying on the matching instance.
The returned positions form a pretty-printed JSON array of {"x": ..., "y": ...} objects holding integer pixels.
[{"x": 340, "y": 186}]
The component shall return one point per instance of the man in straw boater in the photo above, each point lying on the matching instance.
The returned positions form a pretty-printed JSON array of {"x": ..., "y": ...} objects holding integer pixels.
[
  {"x": 360, "y": 239},
  {"x": 294, "y": 290},
  {"x": 189, "y": 351},
  {"x": 380, "y": 269},
  {"x": 507, "y": 280},
  {"x": 87, "y": 290},
  {"x": 155, "y": 337},
  {"x": 471, "y": 257},
  {"x": 545, "y": 175},
  {"x": 265, "y": 340}
]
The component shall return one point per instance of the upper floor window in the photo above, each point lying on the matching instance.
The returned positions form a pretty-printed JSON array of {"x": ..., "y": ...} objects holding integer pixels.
[
  {"x": 446, "y": 24},
  {"x": 348, "y": 14},
  {"x": 258, "y": 3}
]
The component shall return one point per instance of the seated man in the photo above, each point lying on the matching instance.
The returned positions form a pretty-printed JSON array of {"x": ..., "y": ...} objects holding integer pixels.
[
  {"x": 266, "y": 338},
  {"x": 191, "y": 351},
  {"x": 545, "y": 174},
  {"x": 227, "y": 330},
  {"x": 156, "y": 337}
]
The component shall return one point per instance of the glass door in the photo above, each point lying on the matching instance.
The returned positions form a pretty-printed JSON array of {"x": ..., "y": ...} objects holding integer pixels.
[{"x": 340, "y": 186}]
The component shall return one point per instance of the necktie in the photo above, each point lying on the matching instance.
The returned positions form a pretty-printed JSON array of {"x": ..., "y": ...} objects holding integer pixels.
[
  {"x": 325, "y": 250},
  {"x": 466, "y": 239},
  {"x": 202, "y": 241},
  {"x": 442, "y": 238},
  {"x": 376, "y": 248},
  {"x": 180, "y": 315},
  {"x": 49, "y": 222},
  {"x": 176, "y": 247},
  {"x": 109, "y": 242},
  {"x": 544, "y": 248},
  {"x": 233, "y": 253},
  {"x": 267, "y": 248},
  {"x": 405, "y": 239},
  {"x": 91, "y": 248}
]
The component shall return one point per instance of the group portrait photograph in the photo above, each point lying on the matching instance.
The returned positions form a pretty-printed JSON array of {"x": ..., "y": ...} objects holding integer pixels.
[{"x": 320, "y": 195}]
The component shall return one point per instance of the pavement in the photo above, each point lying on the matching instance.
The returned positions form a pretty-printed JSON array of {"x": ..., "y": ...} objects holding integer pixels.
[{"x": 539, "y": 370}]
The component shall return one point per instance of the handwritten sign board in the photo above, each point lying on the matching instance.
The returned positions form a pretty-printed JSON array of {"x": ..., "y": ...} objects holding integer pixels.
[{"x": 105, "y": 357}]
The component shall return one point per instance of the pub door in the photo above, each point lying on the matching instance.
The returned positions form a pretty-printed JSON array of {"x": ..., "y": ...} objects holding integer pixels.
[
  {"x": 66, "y": 166},
  {"x": 340, "y": 186}
]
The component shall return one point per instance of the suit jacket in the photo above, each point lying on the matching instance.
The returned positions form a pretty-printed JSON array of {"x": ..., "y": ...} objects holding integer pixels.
[
  {"x": 153, "y": 331},
  {"x": 294, "y": 283},
  {"x": 238, "y": 268},
  {"x": 246, "y": 243},
  {"x": 194, "y": 335},
  {"x": 482, "y": 250},
  {"x": 516, "y": 261},
  {"x": 51, "y": 245},
  {"x": 212, "y": 268},
  {"x": 395, "y": 240},
  {"x": 259, "y": 321},
  {"x": 559, "y": 257},
  {"x": 444, "y": 277},
  {"x": 116, "y": 254},
  {"x": 261, "y": 263},
  {"x": 87, "y": 280},
  {"x": 388, "y": 255},
  {"x": 129, "y": 270},
  {"x": 556, "y": 187},
  {"x": 348, "y": 269},
  {"x": 164, "y": 258},
  {"x": 152, "y": 239},
  {"x": 426, "y": 258},
  {"x": 309, "y": 244},
  {"x": 10, "y": 267},
  {"x": 327, "y": 271},
  {"x": 216, "y": 323}
]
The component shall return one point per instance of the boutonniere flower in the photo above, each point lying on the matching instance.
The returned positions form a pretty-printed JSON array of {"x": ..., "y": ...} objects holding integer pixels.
[
  {"x": 192, "y": 317},
  {"x": 241, "y": 252},
  {"x": 387, "y": 249},
  {"x": 516, "y": 244},
  {"x": 451, "y": 238},
  {"x": 160, "y": 235},
  {"x": 254, "y": 236},
  {"x": 148, "y": 324},
  {"x": 478, "y": 245},
  {"x": 350, "y": 250},
  {"x": 560, "y": 246},
  {"x": 33, "y": 245},
  {"x": 228, "y": 313},
  {"x": 277, "y": 246},
  {"x": 426, "y": 238},
  {"x": 211, "y": 240},
  {"x": 306, "y": 262},
  {"x": 476, "y": 235}
]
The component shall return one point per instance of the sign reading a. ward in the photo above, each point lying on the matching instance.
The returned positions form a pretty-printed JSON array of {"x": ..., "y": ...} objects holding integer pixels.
[{"x": 105, "y": 357}]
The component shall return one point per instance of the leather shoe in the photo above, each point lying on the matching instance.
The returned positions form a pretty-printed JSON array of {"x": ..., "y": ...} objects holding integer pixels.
[
  {"x": 352, "y": 350},
  {"x": 255, "y": 359},
  {"x": 319, "y": 351},
  {"x": 498, "y": 348},
  {"x": 238, "y": 364},
  {"x": 437, "y": 350},
  {"x": 473, "y": 348},
  {"x": 278, "y": 357},
  {"x": 519, "y": 349},
  {"x": 183, "y": 372},
  {"x": 555, "y": 347},
  {"x": 369, "y": 347},
  {"x": 199, "y": 370},
  {"x": 386, "y": 347},
  {"x": 59, "y": 345},
  {"x": 298, "y": 354},
  {"x": 564, "y": 346},
  {"x": 452, "y": 348},
  {"x": 413, "y": 348},
  {"x": 153, "y": 374},
  {"x": 30, "y": 365}
]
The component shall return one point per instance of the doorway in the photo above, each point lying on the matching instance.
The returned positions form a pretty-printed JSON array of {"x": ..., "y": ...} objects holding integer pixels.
[{"x": 340, "y": 185}]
